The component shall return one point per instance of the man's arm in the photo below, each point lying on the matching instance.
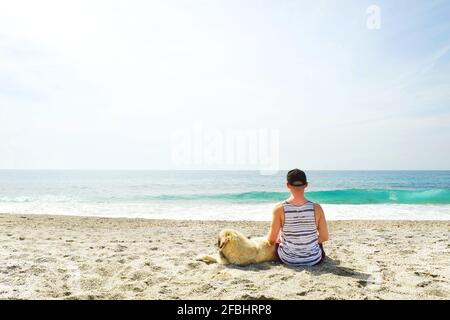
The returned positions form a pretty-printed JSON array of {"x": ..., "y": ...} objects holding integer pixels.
[
  {"x": 322, "y": 227},
  {"x": 276, "y": 224}
]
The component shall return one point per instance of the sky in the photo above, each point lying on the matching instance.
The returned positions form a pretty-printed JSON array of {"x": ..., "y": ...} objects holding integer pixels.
[{"x": 137, "y": 84}]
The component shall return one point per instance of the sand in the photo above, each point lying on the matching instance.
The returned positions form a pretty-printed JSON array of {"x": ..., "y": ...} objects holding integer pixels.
[{"x": 61, "y": 257}]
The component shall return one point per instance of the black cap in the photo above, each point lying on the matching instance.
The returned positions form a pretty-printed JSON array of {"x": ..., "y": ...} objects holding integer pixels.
[{"x": 296, "y": 177}]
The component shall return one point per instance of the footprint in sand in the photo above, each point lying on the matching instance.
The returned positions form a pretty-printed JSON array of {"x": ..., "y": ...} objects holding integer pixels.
[
  {"x": 424, "y": 284},
  {"x": 221, "y": 275},
  {"x": 375, "y": 278},
  {"x": 120, "y": 248},
  {"x": 68, "y": 277},
  {"x": 426, "y": 274}
]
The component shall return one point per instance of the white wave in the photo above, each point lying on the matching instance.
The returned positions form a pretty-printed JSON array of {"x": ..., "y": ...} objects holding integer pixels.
[{"x": 229, "y": 211}]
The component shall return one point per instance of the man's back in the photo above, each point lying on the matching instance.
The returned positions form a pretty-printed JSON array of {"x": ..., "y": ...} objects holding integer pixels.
[{"x": 299, "y": 240}]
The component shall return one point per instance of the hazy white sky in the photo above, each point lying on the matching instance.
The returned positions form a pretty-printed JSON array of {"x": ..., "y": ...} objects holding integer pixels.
[{"x": 104, "y": 84}]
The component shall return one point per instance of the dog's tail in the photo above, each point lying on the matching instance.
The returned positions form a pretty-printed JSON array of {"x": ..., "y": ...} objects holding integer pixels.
[{"x": 207, "y": 259}]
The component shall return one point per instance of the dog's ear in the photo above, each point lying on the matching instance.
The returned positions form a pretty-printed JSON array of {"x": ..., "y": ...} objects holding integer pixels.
[{"x": 222, "y": 242}]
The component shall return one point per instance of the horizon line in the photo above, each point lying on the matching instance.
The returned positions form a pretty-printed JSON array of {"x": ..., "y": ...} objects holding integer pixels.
[{"x": 231, "y": 170}]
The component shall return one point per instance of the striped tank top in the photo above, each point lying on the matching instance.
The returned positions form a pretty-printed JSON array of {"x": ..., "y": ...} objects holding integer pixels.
[{"x": 299, "y": 243}]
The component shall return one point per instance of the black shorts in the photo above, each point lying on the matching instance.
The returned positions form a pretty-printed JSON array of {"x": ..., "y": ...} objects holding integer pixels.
[{"x": 323, "y": 254}]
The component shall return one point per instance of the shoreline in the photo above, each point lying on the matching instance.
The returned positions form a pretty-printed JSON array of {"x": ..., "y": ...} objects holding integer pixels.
[
  {"x": 73, "y": 257},
  {"x": 260, "y": 213},
  {"x": 95, "y": 217}
]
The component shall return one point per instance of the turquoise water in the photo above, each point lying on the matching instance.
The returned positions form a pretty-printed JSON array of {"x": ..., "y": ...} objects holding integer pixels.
[
  {"x": 346, "y": 196},
  {"x": 217, "y": 194}
]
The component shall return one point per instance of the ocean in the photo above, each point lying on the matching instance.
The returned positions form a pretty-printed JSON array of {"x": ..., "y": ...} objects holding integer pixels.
[{"x": 223, "y": 195}]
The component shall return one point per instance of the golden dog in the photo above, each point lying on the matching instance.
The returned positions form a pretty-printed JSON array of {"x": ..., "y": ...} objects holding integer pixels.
[{"x": 235, "y": 248}]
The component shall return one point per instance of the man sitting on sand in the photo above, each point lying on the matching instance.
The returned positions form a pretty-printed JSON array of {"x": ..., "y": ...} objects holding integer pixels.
[{"x": 298, "y": 225}]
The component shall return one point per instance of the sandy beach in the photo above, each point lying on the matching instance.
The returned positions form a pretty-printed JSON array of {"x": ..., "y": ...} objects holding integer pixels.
[{"x": 65, "y": 257}]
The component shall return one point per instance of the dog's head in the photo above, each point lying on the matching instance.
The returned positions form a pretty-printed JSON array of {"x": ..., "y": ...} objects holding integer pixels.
[{"x": 225, "y": 236}]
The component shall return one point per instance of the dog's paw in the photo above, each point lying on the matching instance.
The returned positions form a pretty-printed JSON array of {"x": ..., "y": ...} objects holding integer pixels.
[{"x": 206, "y": 259}]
